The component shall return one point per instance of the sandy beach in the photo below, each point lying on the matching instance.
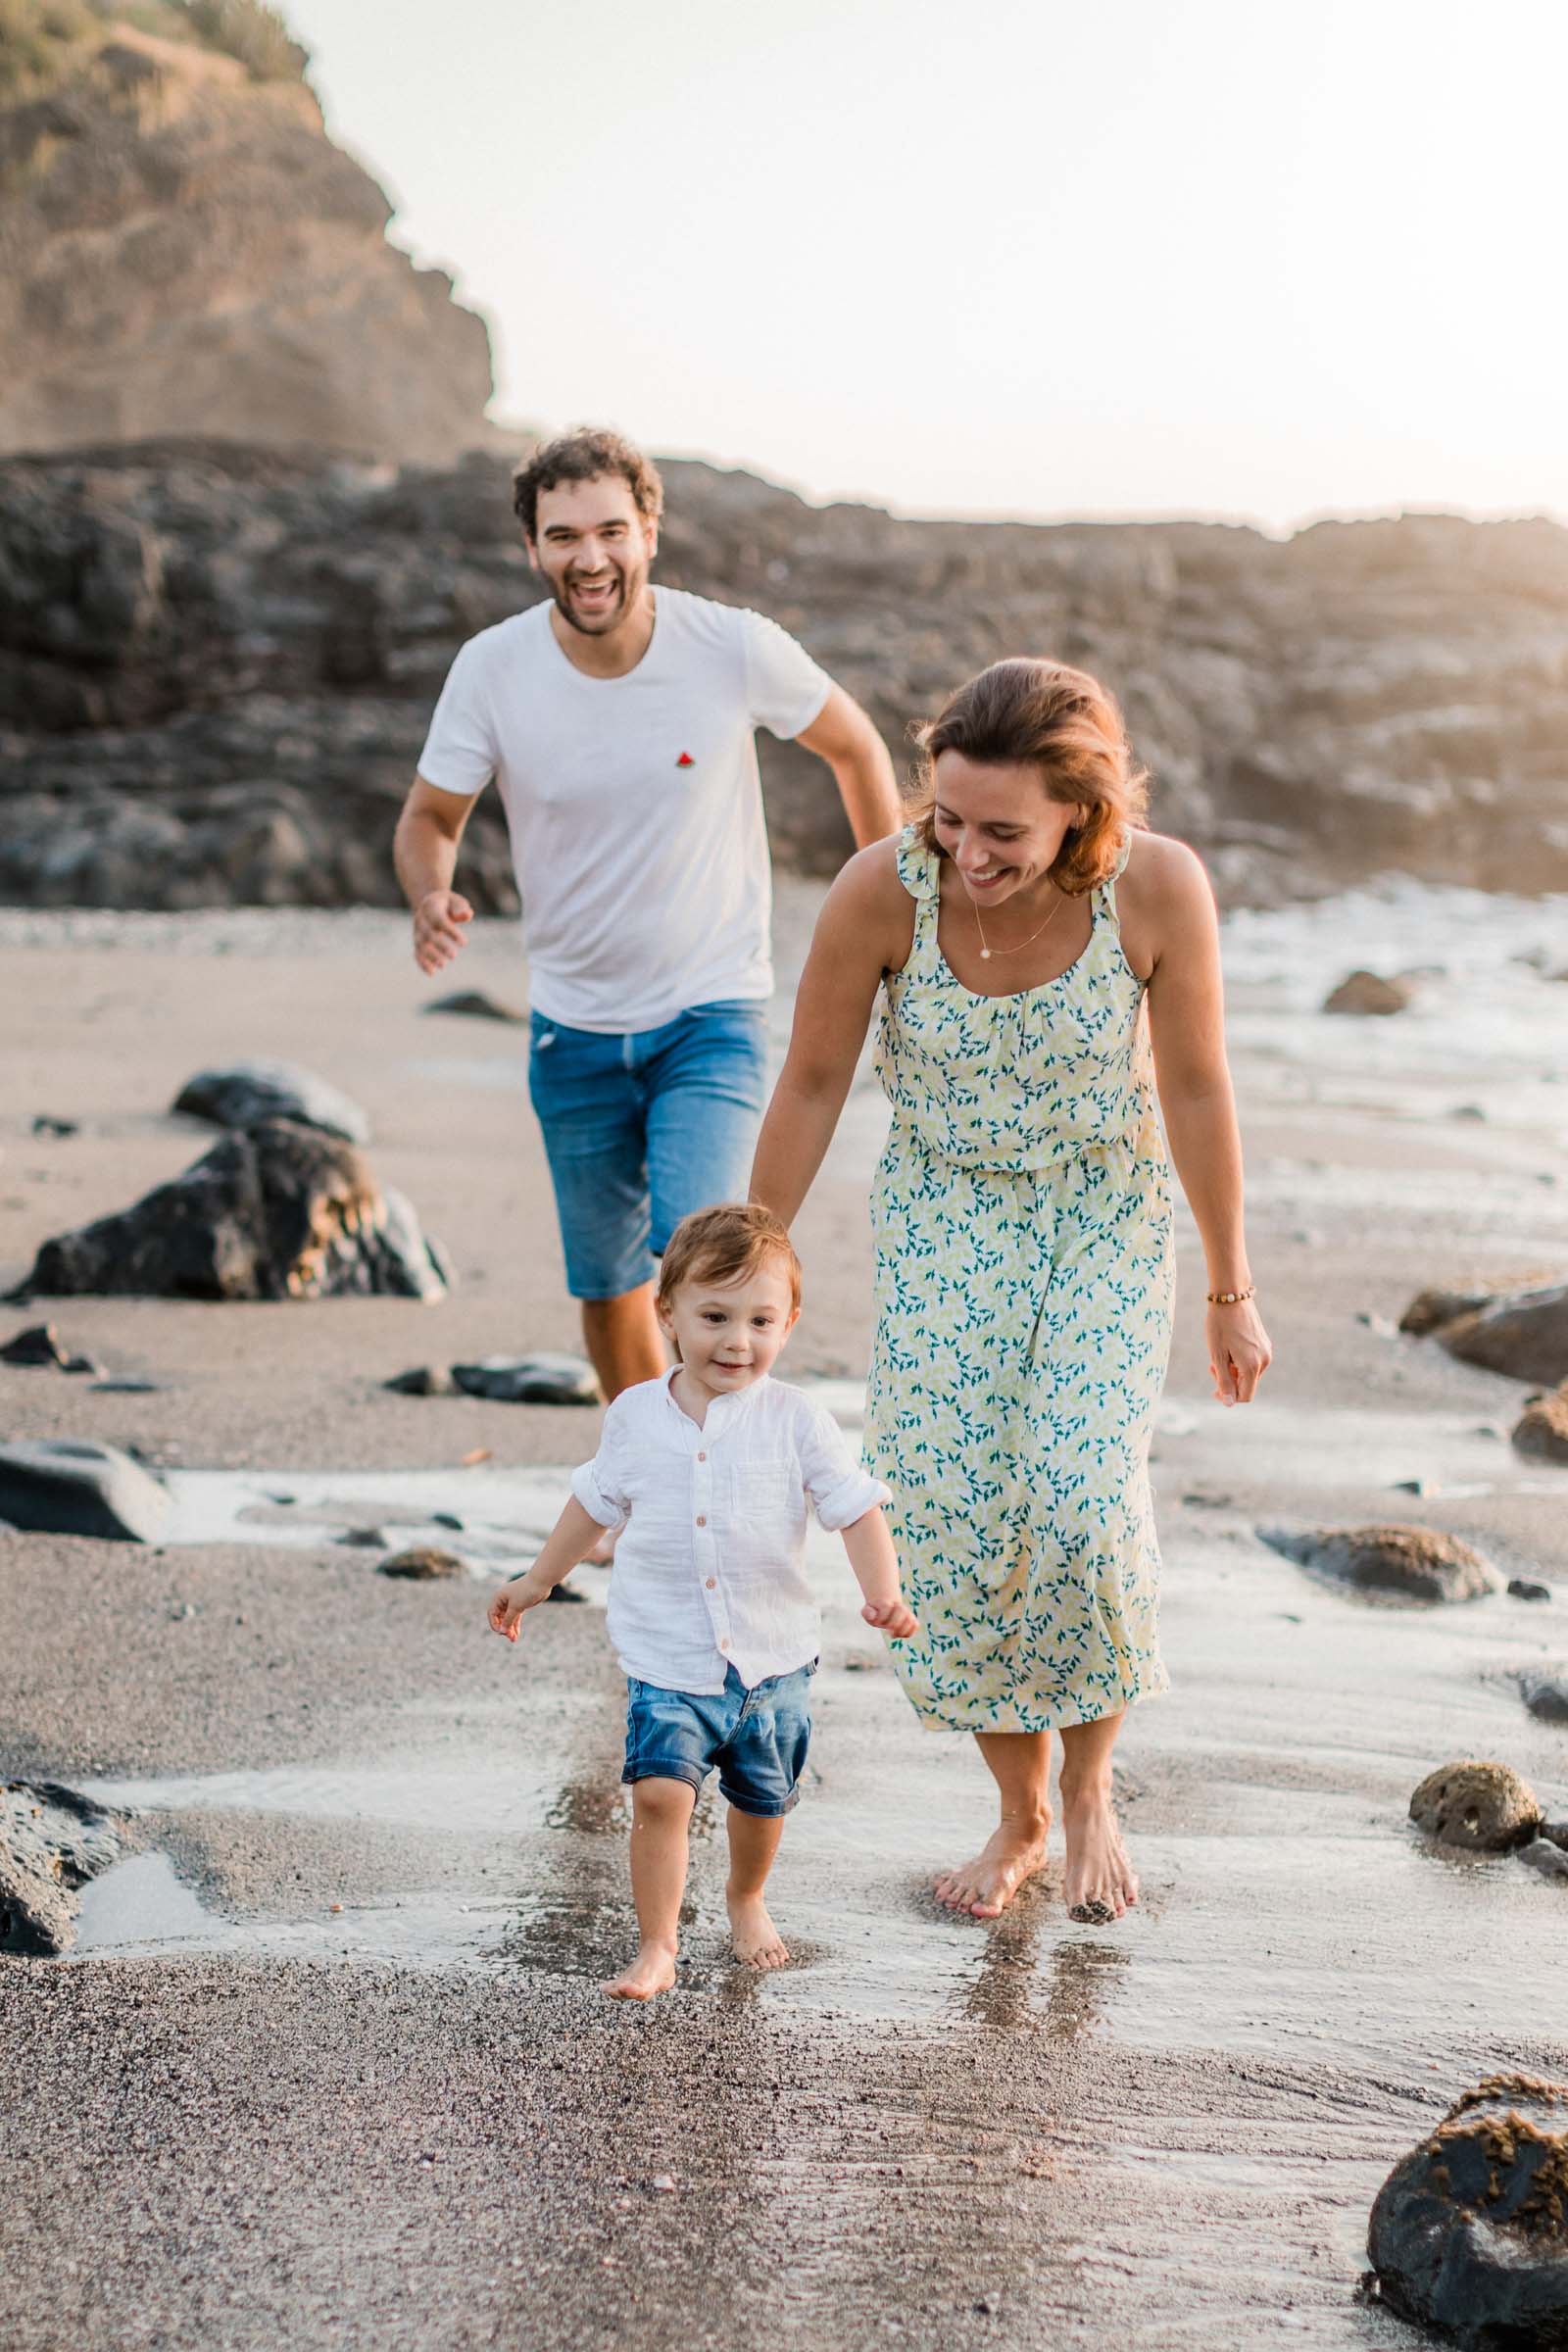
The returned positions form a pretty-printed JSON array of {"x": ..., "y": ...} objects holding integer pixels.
[{"x": 329, "y": 2063}]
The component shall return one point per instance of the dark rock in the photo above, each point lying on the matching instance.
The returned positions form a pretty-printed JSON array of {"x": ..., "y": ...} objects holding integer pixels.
[
  {"x": 1525, "y": 1587},
  {"x": 1540, "y": 1434},
  {"x": 249, "y": 1092},
  {"x": 52, "y": 1842},
  {"x": 1556, "y": 1833},
  {"x": 128, "y": 1387},
  {"x": 1366, "y": 992},
  {"x": 567, "y": 1592},
  {"x": 1469, "y": 2232},
  {"x": 421, "y": 1562},
  {"x": 426, "y": 1380},
  {"x": 218, "y": 661},
  {"x": 1545, "y": 1856},
  {"x": 447, "y": 1519},
  {"x": 65, "y": 1486},
  {"x": 43, "y": 1124},
  {"x": 1410, "y": 1563},
  {"x": 276, "y": 1211},
  {"x": 39, "y": 1345},
  {"x": 1545, "y": 1690},
  {"x": 1429, "y": 1310},
  {"x": 530, "y": 1380},
  {"x": 1483, "y": 1807},
  {"x": 477, "y": 1004},
  {"x": 363, "y": 1539},
  {"x": 1524, "y": 1335}
]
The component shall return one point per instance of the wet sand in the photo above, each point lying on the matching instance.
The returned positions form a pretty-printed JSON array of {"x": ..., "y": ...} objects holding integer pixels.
[{"x": 243, "y": 2114}]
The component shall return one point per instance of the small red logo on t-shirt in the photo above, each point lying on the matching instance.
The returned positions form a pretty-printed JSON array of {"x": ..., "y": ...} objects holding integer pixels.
[{"x": 685, "y": 760}]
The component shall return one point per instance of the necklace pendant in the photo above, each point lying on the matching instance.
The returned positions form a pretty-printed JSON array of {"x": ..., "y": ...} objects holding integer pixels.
[{"x": 985, "y": 955}]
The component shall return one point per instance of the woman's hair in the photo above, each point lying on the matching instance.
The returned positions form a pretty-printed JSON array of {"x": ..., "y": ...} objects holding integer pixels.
[
  {"x": 1061, "y": 721},
  {"x": 725, "y": 1245}
]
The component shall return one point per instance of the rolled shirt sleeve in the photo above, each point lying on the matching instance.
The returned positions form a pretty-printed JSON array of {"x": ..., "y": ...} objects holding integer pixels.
[
  {"x": 841, "y": 1491},
  {"x": 460, "y": 750},
  {"x": 600, "y": 1485},
  {"x": 784, "y": 687}
]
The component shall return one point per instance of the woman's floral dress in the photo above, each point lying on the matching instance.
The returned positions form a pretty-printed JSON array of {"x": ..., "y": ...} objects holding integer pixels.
[{"x": 1023, "y": 1283}]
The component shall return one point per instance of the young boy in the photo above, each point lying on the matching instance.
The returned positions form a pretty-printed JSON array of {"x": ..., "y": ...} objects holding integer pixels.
[{"x": 710, "y": 1470}]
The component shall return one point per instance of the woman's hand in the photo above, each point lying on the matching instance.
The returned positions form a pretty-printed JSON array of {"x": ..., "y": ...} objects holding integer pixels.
[{"x": 1238, "y": 1351}]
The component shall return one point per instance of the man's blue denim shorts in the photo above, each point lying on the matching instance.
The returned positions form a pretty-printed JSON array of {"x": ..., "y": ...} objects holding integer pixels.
[
  {"x": 757, "y": 1738},
  {"x": 640, "y": 1127}
]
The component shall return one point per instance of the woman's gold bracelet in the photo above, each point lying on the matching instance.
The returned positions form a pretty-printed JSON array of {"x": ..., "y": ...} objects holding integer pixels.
[{"x": 1231, "y": 1297}]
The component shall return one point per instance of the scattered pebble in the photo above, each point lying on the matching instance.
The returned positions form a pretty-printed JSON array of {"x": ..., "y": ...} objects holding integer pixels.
[
  {"x": 363, "y": 1539},
  {"x": 1549, "y": 1858},
  {"x": 44, "y": 1124},
  {"x": 1524, "y": 1588}
]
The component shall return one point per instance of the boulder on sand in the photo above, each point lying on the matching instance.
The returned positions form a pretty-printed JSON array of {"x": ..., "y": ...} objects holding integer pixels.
[
  {"x": 1406, "y": 1563},
  {"x": 276, "y": 1211},
  {"x": 246, "y": 1093},
  {"x": 39, "y": 1345},
  {"x": 1541, "y": 1433},
  {"x": 1521, "y": 1333},
  {"x": 1470, "y": 2231},
  {"x": 1487, "y": 1808},
  {"x": 1368, "y": 993},
  {"x": 1545, "y": 1691},
  {"x": 1429, "y": 1310},
  {"x": 543, "y": 1379},
  {"x": 420, "y": 1562},
  {"x": 51, "y": 1842},
  {"x": 477, "y": 1003},
  {"x": 65, "y": 1486}
]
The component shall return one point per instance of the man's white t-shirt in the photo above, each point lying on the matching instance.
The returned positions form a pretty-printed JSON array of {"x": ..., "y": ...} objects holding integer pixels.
[{"x": 634, "y": 804}]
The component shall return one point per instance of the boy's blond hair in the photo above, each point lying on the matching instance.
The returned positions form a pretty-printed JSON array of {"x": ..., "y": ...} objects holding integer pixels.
[{"x": 725, "y": 1245}]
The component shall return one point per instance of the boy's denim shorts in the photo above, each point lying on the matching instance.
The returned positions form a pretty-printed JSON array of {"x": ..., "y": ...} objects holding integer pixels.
[
  {"x": 640, "y": 1128},
  {"x": 757, "y": 1738}
]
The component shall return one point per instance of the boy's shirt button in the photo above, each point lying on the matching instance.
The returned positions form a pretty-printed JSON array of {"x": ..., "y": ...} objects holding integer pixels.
[
  {"x": 712, "y": 1581},
  {"x": 701, "y": 1518},
  {"x": 723, "y": 1645},
  {"x": 702, "y": 1457}
]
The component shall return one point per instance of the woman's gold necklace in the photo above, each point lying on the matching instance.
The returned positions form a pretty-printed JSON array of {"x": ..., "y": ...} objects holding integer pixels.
[{"x": 986, "y": 953}]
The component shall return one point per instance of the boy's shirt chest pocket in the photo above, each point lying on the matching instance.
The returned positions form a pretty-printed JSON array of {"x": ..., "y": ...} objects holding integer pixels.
[{"x": 760, "y": 1491}]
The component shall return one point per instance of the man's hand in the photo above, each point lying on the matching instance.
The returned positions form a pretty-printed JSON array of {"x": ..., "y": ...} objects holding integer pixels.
[
  {"x": 895, "y": 1618},
  {"x": 437, "y": 928},
  {"x": 511, "y": 1603}
]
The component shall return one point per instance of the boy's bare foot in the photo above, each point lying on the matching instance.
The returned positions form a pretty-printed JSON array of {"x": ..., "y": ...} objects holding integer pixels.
[
  {"x": 1100, "y": 1883},
  {"x": 652, "y": 1972},
  {"x": 986, "y": 1886},
  {"x": 757, "y": 1942}
]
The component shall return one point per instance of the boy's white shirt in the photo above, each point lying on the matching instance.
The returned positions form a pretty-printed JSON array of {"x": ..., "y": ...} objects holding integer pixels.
[{"x": 710, "y": 1570}]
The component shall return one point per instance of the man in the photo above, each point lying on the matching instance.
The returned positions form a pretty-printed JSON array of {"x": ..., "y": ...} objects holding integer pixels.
[{"x": 619, "y": 721}]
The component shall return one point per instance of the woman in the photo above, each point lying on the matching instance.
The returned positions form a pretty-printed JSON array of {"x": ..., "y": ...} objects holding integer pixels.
[{"x": 1023, "y": 1218}]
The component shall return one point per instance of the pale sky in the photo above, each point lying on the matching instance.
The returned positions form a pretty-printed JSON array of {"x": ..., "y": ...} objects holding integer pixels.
[{"x": 1260, "y": 258}]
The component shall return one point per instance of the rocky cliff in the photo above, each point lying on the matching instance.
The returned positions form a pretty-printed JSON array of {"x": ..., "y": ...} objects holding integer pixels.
[
  {"x": 182, "y": 250},
  {"x": 217, "y": 664}
]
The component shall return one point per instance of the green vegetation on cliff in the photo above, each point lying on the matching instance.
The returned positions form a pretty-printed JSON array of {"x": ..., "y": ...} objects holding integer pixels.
[{"x": 43, "y": 41}]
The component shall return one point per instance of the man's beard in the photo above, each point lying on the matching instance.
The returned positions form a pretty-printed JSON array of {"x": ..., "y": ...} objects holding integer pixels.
[{"x": 630, "y": 582}]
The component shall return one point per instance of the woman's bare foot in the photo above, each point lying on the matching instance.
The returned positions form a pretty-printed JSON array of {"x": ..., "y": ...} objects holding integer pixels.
[
  {"x": 1100, "y": 1883},
  {"x": 652, "y": 1972},
  {"x": 984, "y": 1887},
  {"x": 757, "y": 1942}
]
